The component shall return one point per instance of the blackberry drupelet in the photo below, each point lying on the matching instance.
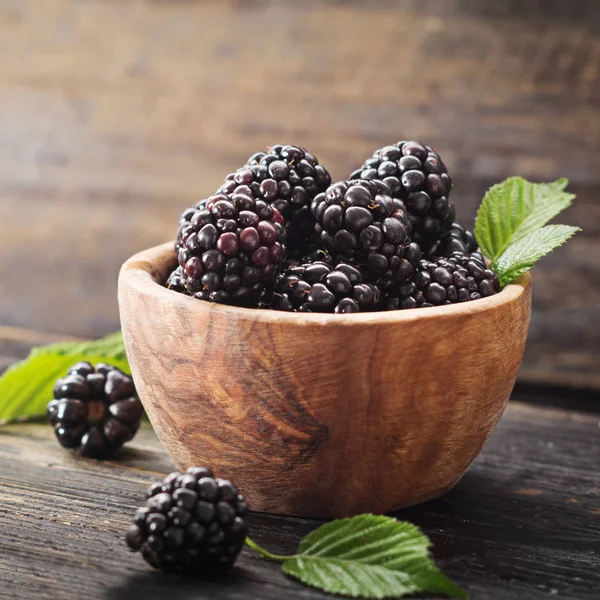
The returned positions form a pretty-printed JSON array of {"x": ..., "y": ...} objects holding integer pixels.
[
  {"x": 184, "y": 224},
  {"x": 361, "y": 222},
  {"x": 177, "y": 280},
  {"x": 96, "y": 409},
  {"x": 455, "y": 239},
  {"x": 231, "y": 250},
  {"x": 288, "y": 178},
  {"x": 405, "y": 295},
  {"x": 310, "y": 254},
  {"x": 457, "y": 278},
  {"x": 319, "y": 287},
  {"x": 191, "y": 522},
  {"x": 416, "y": 174}
]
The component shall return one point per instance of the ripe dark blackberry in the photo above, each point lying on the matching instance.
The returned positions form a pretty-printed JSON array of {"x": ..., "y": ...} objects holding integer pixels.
[
  {"x": 184, "y": 223},
  {"x": 319, "y": 287},
  {"x": 96, "y": 409},
  {"x": 405, "y": 295},
  {"x": 457, "y": 278},
  {"x": 288, "y": 178},
  {"x": 191, "y": 522},
  {"x": 310, "y": 254},
  {"x": 455, "y": 239},
  {"x": 231, "y": 249},
  {"x": 361, "y": 222},
  {"x": 177, "y": 280},
  {"x": 416, "y": 174}
]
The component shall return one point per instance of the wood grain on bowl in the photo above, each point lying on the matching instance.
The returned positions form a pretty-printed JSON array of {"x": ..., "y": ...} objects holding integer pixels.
[{"x": 321, "y": 415}]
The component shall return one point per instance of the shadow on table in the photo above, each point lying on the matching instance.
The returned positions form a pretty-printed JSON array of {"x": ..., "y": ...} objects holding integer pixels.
[
  {"x": 148, "y": 459},
  {"x": 152, "y": 585},
  {"x": 509, "y": 518}
]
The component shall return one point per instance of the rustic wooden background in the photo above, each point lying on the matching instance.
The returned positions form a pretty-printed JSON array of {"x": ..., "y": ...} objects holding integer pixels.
[{"x": 114, "y": 116}]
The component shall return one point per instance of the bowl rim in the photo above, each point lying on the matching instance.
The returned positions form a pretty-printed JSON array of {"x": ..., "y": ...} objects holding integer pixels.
[{"x": 140, "y": 273}]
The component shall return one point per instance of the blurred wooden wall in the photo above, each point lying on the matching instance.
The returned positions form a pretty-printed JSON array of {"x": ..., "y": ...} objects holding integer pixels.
[{"x": 114, "y": 116}]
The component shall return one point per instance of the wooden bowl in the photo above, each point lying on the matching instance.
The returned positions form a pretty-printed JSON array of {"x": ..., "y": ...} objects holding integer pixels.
[{"x": 321, "y": 415}]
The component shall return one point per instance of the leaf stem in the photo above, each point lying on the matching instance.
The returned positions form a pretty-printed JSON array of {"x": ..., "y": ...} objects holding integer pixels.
[{"x": 265, "y": 553}]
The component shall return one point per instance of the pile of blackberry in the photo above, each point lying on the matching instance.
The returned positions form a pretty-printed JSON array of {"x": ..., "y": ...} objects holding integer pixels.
[
  {"x": 192, "y": 522},
  {"x": 278, "y": 235}
]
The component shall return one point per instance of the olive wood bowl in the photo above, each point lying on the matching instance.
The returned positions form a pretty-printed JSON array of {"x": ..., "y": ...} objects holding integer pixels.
[{"x": 321, "y": 415}]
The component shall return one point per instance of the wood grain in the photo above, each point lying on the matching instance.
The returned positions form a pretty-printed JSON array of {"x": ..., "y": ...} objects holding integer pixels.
[
  {"x": 321, "y": 415},
  {"x": 115, "y": 116},
  {"x": 523, "y": 524}
]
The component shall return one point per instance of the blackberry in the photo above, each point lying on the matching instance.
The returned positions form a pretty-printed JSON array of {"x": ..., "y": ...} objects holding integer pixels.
[
  {"x": 288, "y": 178},
  {"x": 191, "y": 522},
  {"x": 361, "y": 222},
  {"x": 319, "y": 287},
  {"x": 455, "y": 239},
  {"x": 406, "y": 295},
  {"x": 185, "y": 225},
  {"x": 177, "y": 280},
  {"x": 95, "y": 409},
  {"x": 417, "y": 174},
  {"x": 457, "y": 278},
  {"x": 231, "y": 249},
  {"x": 310, "y": 254}
]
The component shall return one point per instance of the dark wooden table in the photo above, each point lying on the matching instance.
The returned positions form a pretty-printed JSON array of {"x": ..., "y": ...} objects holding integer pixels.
[
  {"x": 114, "y": 116},
  {"x": 523, "y": 524}
]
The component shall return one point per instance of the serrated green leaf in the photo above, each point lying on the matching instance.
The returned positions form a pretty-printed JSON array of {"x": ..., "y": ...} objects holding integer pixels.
[
  {"x": 26, "y": 387},
  {"x": 515, "y": 208},
  {"x": 525, "y": 252},
  {"x": 549, "y": 200},
  {"x": 369, "y": 556}
]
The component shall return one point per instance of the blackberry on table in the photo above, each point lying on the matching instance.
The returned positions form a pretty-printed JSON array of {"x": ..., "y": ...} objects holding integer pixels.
[
  {"x": 416, "y": 173},
  {"x": 288, "y": 178},
  {"x": 231, "y": 250},
  {"x": 446, "y": 280},
  {"x": 191, "y": 522},
  {"x": 319, "y": 287},
  {"x": 95, "y": 409},
  {"x": 361, "y": 222},
  {"x": 455, "y": 239}
]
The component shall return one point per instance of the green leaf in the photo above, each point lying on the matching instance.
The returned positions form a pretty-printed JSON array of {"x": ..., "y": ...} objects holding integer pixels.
[
  {"x": 511, "y": 224},
  {"x": 523, "y": 254},
  {"x": 26, "y": 387},
  {"x": 513, "y": 209},
  {"x": 369, "y": 556}
]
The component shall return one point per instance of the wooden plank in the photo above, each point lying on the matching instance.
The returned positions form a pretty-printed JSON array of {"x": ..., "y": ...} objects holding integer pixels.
[
  {"x": 15, "y": 343},
  {"x": 104, "y": 139},
  {"x": 523, "y": 524}
]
